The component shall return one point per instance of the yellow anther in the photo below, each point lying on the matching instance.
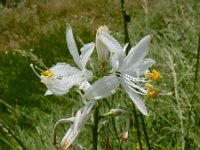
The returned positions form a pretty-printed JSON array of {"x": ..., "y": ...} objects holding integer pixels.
[
  {"x": 149, "y": 93},
  {"x": 149, "y": 75},
  {"x": 149, "y": 86},
  {"x": 154, "y": 75},
  {"x": 47, "y": 73},
  {"x": 155, "y": 93}
]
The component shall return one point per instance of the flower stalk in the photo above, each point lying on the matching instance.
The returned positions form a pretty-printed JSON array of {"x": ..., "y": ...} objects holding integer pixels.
[
  {"x": 95, "y": 128},
  {"x": 126, "y": 19},
  {"x": 145, "y": 132},
  {"x": 137, "y": 127},
  {"x": 114, "y": 126},
  {"x": 197, "y": 65}
]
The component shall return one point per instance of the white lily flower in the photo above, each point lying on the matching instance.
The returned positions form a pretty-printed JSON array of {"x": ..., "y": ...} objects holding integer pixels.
[
  {"x": 79, "y": 121},
  {"x": 127, "y": 71},
  {"x": 102, "y": 50},
  {"x": 81, "y": 60},
  {"x": 61, "y": 77}
]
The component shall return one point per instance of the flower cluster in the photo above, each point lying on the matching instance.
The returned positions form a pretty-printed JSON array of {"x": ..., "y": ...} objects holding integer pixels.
[{"x": 131, "y": 71}]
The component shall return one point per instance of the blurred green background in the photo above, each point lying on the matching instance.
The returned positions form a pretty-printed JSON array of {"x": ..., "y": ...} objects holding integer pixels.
[{"x": 32, "y": 31}]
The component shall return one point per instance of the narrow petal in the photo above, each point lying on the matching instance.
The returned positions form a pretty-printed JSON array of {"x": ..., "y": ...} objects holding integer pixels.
[
  {"x": 136, "y": 99},
  {"x": 68, "y": 139},
  {"x": 86, "y": 51},
  {"x": 114, "y": 62},
  {"x": 102, "y": 88},
  {"x": 77, "y": 120},
  {"x": 72, "y": 46},
  {"x": 145, "y": 65},
  {"x": 125, "y": 48},
  {"x": 136, "y": 53},
  {"x": 102, "y": 50},
  {"x": 113, "y": 46},
  {"x": 142, "y": 67},
  {"x": 81, "y": 118}
]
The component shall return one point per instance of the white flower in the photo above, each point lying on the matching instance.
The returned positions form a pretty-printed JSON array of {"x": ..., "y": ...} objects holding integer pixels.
[
  {"x": 127, "y": 71},
  {"x": 61, "y": 77},
  {"x": 102, "y": 50},
  {"x": 86, "y": 50},
  {"x": 79, "y": 121},
  {"x": 81, "y": 60}
]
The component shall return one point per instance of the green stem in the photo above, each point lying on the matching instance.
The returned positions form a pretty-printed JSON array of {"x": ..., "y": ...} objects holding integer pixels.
[
  {"x": 137, "y": 127},
  {"x": 197, "y": 65},
  {"x": 114, "y": 126},
  {"x": 126, "y": 19},
  {"x": 95, "y": 128},
  {"x": 145, "y": 132}
]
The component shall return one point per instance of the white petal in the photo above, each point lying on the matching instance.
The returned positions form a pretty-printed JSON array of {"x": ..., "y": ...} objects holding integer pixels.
[
  {"x": 136, "y": 99},
  {"x": 114, "y": 62},
  {"x": 68, "y": 139},
  {"x": 141, "y": 68},
  {"x": 57, "y": 86},
  {"x": 136, "y": 53},
  {"x": 102, "y": 50},
  {"x": 88, "y": 74},
  {"x": 77, "y": 120},
  {"x": 112, "y": 44},
  {"x": 72, "y": 46},
  {"x": 64, "y": 78},
  {"x": 125, "y": 48},
  {"x": 145, "y": 65},
  {"x": 84, "y": 85},
  {"x": 48, "y": 92},
  {"x": 86, "y": 51},
  {"x": 64, "y": 69},
  {"x": 86, "y": 112},
  {"x": 81, "y": 118},
  {"x": 102, "y": 88}
]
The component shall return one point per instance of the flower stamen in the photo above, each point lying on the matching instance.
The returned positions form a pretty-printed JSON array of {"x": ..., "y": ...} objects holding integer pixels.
[
  {"x": 47, "y": 73},
  {"x": 155, "y": 93},
  {"x": 154, "y": 75},
  {"x": 149, "y": 93}
]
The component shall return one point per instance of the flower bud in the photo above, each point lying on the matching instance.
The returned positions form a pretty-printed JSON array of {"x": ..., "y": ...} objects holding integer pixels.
[
  {"x": 117, "y": 112},
  {"x": 102, "y": 50},
  {"x": 124, "y": 137}
]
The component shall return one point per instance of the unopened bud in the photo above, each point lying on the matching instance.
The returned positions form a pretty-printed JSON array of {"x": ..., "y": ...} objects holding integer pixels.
[
  {"x": 124, "y": 137},
  {"x": 117, "y": 112},
  {"x": 102, "y": 50}
]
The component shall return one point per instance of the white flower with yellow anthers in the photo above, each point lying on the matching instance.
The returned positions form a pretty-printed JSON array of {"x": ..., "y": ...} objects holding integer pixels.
[
  {"x": 61, "y": 77},
  {"x": 78, "y": 122},
  {"x": 102, "y": 50},
  {"x": 129, "y": 71}
]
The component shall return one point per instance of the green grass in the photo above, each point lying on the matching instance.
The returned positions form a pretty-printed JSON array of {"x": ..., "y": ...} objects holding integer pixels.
[{"x": 39, "y": 28}]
